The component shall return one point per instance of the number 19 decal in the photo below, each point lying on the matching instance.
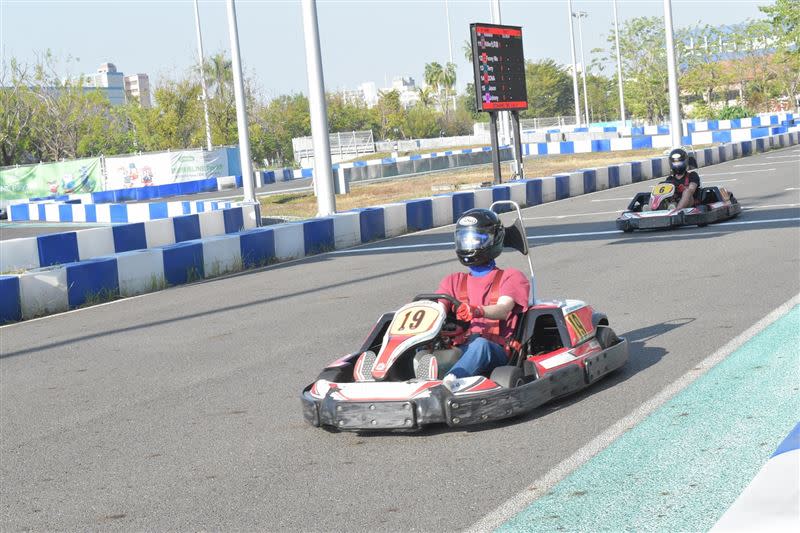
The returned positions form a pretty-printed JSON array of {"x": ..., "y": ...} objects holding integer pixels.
[{"x": 413, "y": 320}]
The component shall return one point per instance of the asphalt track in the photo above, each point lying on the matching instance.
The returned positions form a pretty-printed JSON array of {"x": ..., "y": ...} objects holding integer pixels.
[{"x": 180, "y": 410}]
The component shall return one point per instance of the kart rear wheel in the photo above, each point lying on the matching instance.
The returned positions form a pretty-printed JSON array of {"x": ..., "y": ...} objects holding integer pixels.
[
  {"x": 508, "y": 376},
  {"x": 606, "y": 337}
]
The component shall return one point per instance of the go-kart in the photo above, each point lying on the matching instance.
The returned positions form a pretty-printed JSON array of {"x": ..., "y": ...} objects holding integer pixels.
[
  {"x": 394, "y": 381},
  {"x": 657, "y": 209}
]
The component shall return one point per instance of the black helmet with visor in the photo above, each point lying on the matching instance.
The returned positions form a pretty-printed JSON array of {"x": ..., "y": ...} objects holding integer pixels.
[
  {"x": 479, "y": 237},
  {"x": 678, "y": 161}
]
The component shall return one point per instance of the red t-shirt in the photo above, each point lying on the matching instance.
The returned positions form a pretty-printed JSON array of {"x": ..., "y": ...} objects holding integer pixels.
[{"x": 513, "y": 284}]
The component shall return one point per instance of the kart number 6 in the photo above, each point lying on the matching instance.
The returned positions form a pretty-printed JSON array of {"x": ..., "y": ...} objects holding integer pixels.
[{"x": 663, "y": 189}]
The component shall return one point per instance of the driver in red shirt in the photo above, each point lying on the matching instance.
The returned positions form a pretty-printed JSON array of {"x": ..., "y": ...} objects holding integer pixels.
[{"x": 491, "y": 298}]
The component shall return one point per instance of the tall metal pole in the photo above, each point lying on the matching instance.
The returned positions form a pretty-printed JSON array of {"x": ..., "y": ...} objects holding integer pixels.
[
  {"x": 323, "y": 171},
  {"x": 449, "y": 42},
  {"x": 574, "y": 67},
  {"x": 579, "y": 15},
  {"x": 202, "y": 73},
  {"x": 241, "y": 110},
  {"x": 619, "y": 68},
  {"x": 676, "y": 129}
]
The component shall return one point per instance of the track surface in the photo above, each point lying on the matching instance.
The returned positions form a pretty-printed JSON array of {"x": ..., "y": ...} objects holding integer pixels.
[{"x": 180, "y": 409}]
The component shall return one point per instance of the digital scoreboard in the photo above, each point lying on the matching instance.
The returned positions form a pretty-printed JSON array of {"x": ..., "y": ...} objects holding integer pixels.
[{"x": 499, "y": 67}]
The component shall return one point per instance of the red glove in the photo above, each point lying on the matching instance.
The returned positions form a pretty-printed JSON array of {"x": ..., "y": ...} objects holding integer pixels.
[{"x": 467, "y": 312}]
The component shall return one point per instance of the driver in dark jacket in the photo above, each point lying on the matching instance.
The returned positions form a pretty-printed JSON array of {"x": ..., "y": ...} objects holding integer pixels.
[{"x": 686, "y": 182}]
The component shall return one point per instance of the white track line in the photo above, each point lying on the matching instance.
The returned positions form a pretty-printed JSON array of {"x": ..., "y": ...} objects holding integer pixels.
[
  {"x": 763, "y": 164},
  {"x": 613, "y": 199},
  {"x": 742, "y": 172},
  {"x": 722, "y": 181},
  {"x": 541, "y": 486},
  {"x": 534, "y": 238}
]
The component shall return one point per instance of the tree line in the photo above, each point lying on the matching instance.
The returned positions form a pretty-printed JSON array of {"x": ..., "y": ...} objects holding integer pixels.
[{"x": 46, "y": 117}]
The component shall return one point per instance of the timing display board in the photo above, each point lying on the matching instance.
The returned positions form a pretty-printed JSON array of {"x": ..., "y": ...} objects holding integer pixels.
[{"x": 499, "y": 67}]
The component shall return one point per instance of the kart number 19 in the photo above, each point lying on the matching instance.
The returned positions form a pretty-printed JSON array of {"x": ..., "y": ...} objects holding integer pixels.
[{"x": 413, "y": 320}]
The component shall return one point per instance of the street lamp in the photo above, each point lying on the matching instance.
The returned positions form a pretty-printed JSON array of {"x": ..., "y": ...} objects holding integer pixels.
[
  {"x": 241, "y": 111},
  {"x": 323, "y": 172},
  {"x": 579, "y": 15},
  {"x": 449, "y": 42},
  {"x": 619, "y": 68},
  {"x": 576, "y": 98},
  {"x": 676, "y": 128},
  {"x": 202, "y": 73}
]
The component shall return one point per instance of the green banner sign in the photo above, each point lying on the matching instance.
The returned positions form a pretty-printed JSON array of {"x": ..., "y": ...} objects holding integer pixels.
[{"x": 68, "y": 177}]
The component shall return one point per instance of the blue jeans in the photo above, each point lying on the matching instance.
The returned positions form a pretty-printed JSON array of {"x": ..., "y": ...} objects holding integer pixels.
[{"x": 479, "y": 356}]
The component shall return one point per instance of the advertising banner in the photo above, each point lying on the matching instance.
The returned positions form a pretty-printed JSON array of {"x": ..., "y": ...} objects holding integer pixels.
[
  {"x": 67, "y": 177},
  {"x": 163, "y": 168}
]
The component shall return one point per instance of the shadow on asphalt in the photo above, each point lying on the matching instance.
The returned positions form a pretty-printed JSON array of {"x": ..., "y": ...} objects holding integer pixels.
[{"x": 641, "y": 357}]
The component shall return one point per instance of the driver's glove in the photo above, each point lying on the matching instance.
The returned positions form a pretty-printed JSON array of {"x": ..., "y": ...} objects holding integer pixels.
[{"x": 467, "y": 312}]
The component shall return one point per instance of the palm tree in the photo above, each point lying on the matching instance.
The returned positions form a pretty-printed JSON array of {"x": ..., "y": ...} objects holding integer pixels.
[
  {"x": 220, "y": 72},
  {"x": 425, "y": 96},
  {"x": 449, "y": 82},
  {"x": 466, "y": 48},
  {"x": 433, "y": 76}
]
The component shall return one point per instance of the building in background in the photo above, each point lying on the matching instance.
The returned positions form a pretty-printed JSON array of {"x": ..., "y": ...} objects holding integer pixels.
[
  {"x": 118, "y": 88},
  {"x": 137, "y": 87},
  {"x": 406, "y": 88}
]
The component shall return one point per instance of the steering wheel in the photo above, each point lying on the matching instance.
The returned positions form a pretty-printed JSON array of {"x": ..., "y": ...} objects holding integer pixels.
[{"x": 455, "y": 304}]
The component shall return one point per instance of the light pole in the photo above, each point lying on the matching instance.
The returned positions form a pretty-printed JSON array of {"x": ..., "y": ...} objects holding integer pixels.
[
  {"x": 579, "y": 15},
  {"x": 241, "y": 111},
  {"x": 323, "y": 170},
  {"x": 202, "y": 73},
  {"x": 619, "y": 68},
  {"x": 675, "y": 129},
  {"x": 574, "y": 67},
  {"x": 449, "y": 42}
]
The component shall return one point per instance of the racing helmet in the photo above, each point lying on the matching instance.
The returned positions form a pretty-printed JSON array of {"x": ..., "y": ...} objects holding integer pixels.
[
  {"x": 678, "y": 159},
  {"x": 479, "y": 237}
]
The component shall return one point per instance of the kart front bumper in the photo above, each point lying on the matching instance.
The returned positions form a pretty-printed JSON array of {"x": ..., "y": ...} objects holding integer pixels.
[
  {"x": 628, "y": 221},
  {"x": 440, "y": 406}
]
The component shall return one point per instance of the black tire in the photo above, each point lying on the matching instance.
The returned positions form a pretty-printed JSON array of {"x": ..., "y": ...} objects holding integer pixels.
[
  {"x": 628, "y": 229},
  {"x": 508, "y": 376},
  {"x": 606, "y": 337}
]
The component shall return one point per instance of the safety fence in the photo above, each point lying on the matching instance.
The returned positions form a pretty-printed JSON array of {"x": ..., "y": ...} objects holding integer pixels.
[{"x": 59, "y": 287}]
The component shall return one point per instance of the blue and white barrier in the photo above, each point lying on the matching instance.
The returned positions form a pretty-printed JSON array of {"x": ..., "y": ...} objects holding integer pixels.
[
  {"x": 771, "y": 502},
  {"x": 110, "y": 213},
  {"x": 68, "y": 247},
  {"x": 90, "y": 264}
]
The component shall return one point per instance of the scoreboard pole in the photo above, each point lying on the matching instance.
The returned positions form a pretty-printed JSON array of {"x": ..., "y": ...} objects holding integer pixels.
[
  {"x": 517, "y": 144},
  {"x": 495, "y": 147}
]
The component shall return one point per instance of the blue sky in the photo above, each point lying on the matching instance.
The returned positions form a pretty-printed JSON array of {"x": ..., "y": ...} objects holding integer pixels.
[{"x": 361, "y": 40}]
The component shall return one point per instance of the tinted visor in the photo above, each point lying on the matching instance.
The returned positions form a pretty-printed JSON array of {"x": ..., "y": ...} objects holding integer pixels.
[{"x": 471, "y": 239}]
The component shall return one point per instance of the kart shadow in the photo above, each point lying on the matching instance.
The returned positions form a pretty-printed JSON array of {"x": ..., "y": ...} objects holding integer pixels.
[{"x": 642, "y": 356}]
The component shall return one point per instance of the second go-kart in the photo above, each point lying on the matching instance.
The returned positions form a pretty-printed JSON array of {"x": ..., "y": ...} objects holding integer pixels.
[
  {"x": 657, "y": 209},
  {"x": 394, "y": 380}
]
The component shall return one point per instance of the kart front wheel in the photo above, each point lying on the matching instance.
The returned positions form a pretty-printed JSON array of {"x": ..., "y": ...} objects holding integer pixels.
[
  {"x": 508, "y": 376},
  {"x": 606, "y": 337}
]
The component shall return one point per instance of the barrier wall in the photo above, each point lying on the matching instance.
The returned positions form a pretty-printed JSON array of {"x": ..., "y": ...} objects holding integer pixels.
[
  {"x": 194, "y": 255},
  {"x": 72, "y": 246},
  {"x": 110, "y": 213}
]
